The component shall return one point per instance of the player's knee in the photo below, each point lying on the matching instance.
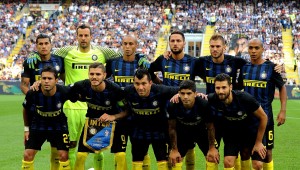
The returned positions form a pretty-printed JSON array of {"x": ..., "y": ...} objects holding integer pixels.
[
  {"x": 28, "y": 155},
  {"x": 63, "y": 155},
  {"x": 229, "y": 162},
  {"x": 257, "y": 165},
  {"x": 210, "y": 159}
]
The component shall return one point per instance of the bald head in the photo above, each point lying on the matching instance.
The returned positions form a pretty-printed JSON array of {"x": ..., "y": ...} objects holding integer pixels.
[
  {"x": 129, "y": 46},
  {"x": 255, "y": 50},
  {"x": 130, "y": 38},
  {"x": 257, "y": 41}
]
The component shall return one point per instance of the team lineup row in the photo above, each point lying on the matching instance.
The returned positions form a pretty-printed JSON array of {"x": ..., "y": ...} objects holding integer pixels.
[{"x": 258, "y": 78}]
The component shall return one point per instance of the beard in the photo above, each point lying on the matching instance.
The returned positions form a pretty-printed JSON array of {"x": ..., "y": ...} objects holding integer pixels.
[
  {"x": 176, "y": 52},
  {"x": 224, "y": 96}
]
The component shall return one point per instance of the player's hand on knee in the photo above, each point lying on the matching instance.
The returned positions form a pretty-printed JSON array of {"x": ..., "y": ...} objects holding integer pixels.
[
  {"x": 260, "y": 149},
  {"x": 174, "y": 157},
  {"x": 213, "y": 155}
]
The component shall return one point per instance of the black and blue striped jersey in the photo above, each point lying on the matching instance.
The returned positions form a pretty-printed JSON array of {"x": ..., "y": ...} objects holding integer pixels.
[
  {"x": 238, "y": 114},
  {"x": 173, "y": 71},
  {"x": 121, "y": 71},
  {"x": 35, "y": 73},
  {"x": 148, "y": 113},
  {"x": 260, "y": 81},
  {"x": 196, "y": 117},
  {"x": 109, "y": 101},
  {"x": 46, "y": 112},
  {"x": 207, "y": 70}
]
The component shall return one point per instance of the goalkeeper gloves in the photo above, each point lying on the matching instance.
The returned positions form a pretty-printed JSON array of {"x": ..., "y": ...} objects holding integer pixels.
[
  {"x": 144, "y": 62},
  {"x": 32, "y": 59}
]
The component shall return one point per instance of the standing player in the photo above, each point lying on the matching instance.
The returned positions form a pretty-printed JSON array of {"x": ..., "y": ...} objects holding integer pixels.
[
  {"x": 104, "y": 100},
  {"x": 189, "y": 117},
  {"x": 243, "y": 122},
  {"x": 260, "y": 79},
  {"x": 178, "y": 67},
  {"x": 44, "y": 119},
  {"x": 175, "y": 69},
  {"x": 30, "y": 75},
  {"x": 209, "y": 67},
  {"x": 122, "y": 71},
  {"x": 147, "y": 103}
]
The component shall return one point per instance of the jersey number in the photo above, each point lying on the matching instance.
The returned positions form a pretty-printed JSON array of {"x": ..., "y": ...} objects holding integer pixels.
[{"x": 270, "y": 134}]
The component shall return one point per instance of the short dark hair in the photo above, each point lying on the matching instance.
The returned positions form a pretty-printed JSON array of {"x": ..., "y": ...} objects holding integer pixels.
[
  {"x": 50, "y": 69},
  {"x": 141, "y": 72},
  {"x": 83, "y": 26},
  {"x": 223, "y": 77},
  {"x": 177, "y": 32},
  {"x": 187, "y": 84},
  {"x": 98, "y": 65},
  {"x": 40, "y": 36}
]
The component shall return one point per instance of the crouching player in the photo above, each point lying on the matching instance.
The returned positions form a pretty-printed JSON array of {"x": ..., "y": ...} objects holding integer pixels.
[{"x": 190, "y": 122}]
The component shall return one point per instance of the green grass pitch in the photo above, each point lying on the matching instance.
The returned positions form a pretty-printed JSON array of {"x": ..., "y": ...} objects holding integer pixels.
[{"x": 286, "y": 153}]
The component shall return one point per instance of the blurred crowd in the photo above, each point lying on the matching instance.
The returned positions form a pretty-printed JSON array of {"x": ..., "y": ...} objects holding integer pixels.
[{"x": 238, "y": 21}]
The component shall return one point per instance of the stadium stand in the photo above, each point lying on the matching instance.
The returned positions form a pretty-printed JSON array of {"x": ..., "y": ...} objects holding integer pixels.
[{"x": 151, "y": 21}]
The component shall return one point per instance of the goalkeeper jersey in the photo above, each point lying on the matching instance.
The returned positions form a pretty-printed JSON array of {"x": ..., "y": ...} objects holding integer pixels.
[{"x": 77, "y": 65}]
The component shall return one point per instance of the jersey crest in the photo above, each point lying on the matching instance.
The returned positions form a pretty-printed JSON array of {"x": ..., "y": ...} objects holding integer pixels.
[
  {"x": 94, "y": 57},
  {"x": 263, "y": 75},
  {"x": 228, "y": 69},
  {"x": 186, "y": 68}
]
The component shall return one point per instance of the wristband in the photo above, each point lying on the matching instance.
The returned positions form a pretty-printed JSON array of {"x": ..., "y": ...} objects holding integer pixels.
[{"x": 26, "y": 128}]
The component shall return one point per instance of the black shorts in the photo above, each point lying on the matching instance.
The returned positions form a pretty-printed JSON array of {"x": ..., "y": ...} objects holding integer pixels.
[
  {"x": 120, "y": 137},
  {"x": 218, "y": 131},
  {"x": 236, "y": 140},
  {"x": 57, "y": 138},
  {"x": 140, "y": 146},
  {"x": 269, "y": 137},
  {"x": 186, "y": 137}
]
